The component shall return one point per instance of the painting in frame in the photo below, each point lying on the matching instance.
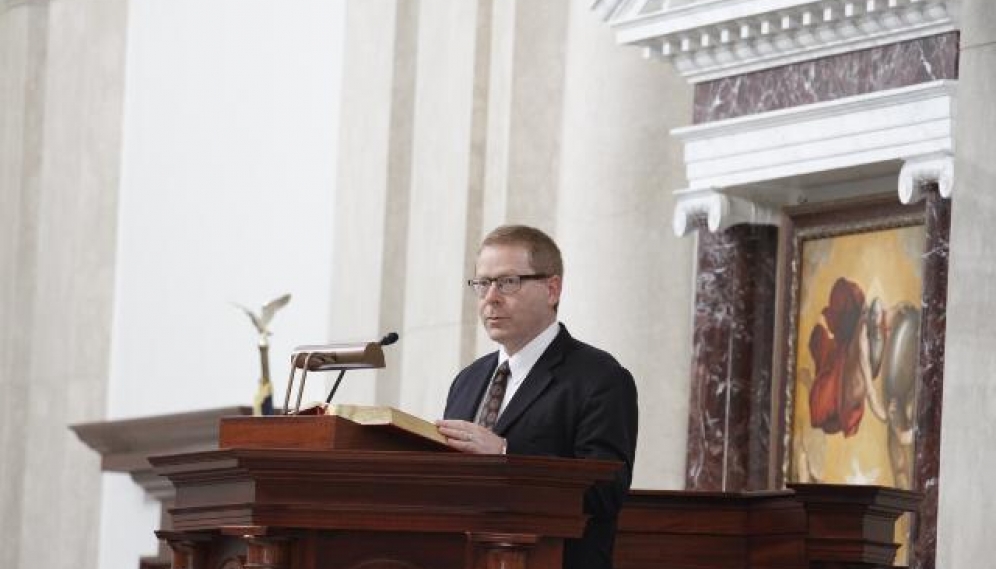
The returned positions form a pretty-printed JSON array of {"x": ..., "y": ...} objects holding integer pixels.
[{"x": 855, "y": 279}]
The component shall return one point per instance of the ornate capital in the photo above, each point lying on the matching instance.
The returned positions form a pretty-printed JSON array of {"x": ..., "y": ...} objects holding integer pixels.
[
  {"x": 721, "y": 211},
  {"x": 919, "y": 173}
]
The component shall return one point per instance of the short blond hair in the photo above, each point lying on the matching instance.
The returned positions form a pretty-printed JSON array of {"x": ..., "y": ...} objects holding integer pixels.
[{"x": 544, "y": 255}]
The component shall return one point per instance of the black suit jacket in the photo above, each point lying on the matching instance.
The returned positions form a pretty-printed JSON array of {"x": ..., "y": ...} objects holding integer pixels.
[{"x": 576, "y": 402}]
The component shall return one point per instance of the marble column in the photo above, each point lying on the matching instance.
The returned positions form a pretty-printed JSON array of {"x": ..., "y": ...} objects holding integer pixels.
[
  {"x": 730, "y": 407},
  {"x": 967, "y": 505},
  {"x": 931, "y": 383}
]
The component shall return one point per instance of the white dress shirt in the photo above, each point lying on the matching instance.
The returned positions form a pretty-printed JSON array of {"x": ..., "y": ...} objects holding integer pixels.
[{"x": 522, "y": 363}]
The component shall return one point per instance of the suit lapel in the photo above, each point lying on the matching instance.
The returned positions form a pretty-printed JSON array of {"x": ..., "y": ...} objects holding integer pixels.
[
  {"x": 535, "y": 383},
  {"x": 477, "y": 381}
]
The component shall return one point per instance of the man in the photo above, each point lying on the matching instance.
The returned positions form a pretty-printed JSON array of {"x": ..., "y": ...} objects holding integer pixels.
[{"x": 543, "y": 392}]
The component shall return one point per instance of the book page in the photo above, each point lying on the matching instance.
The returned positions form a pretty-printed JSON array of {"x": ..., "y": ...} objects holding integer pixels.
[{"x": 382, "y": 415}]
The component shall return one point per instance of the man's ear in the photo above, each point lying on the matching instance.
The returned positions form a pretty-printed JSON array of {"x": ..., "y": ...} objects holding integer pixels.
[{"x": 554, "y": 286}]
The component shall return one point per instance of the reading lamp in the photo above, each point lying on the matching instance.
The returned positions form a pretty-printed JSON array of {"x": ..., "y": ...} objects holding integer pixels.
[{"x": 329, "y": 357}]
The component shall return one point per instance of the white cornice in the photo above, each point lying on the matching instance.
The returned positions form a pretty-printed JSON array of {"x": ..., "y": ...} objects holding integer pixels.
[
  {"x": 898, "y": 124},
  {"x": 739, "y": 168},
  {"x": 709, "y": 39}
]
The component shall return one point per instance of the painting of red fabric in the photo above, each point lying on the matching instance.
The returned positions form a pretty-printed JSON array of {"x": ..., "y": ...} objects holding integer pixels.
[{"x": 857, "y": 331}]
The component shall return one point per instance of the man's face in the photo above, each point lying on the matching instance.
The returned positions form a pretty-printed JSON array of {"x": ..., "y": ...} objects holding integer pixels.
[{"x": 514, "y": 319}]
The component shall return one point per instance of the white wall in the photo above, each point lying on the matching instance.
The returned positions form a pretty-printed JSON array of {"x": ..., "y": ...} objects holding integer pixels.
[
  {"x": 627, "y": 285},
  {"x": 967, "y": 507},
  {"x": 228, "y": 175}
]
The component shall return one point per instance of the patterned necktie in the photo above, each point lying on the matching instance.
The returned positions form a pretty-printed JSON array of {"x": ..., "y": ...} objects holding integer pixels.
[{"x": 492, "y": 401}]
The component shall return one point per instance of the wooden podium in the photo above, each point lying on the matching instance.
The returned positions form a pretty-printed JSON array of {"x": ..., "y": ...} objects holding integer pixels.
[
  {"x": 322, "y": 492},
  {"x": 302, "y": 495}
]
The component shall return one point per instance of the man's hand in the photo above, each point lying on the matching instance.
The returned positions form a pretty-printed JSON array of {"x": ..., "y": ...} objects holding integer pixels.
[{"x": 470, "y": 437}]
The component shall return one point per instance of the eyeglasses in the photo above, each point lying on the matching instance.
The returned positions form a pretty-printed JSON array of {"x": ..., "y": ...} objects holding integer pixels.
[{"x": 506, "y": 285}]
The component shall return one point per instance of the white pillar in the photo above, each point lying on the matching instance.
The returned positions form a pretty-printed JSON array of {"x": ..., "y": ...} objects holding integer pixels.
[
  {"x": 967, "y": 505},
  {"x": 445, "y": 186},
  {"x": 628, "y": 281},
  {"x": 374, "y": 178},
  {"x": 62, "y": 87}
]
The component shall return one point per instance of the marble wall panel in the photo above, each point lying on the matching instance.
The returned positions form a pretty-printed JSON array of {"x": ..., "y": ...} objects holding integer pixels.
[
  {"x": 932, "y": 337},
  {"x": 825, "y": 79},
  {"x": 729, "y": 409}
]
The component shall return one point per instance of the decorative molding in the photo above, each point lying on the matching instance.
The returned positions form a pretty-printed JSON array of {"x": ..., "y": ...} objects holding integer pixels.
[
  {"x": 894, "y": 125},
  {"x": 125, "y": 444},
  {"x": 710, "y": 39},
  {"x": 721, "y": 211},
  {"x": 920, "y": 173}
]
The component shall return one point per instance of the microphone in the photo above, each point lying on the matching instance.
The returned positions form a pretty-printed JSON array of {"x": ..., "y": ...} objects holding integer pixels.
[{"x": 385, "y": 341}]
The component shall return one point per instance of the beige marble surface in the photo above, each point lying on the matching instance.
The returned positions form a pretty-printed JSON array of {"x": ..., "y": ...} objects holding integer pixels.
[
  {"x": 444, "y": 188},
  {"x": 375, "y": 137},
  {"x": 968, "y": 455},
  {"x": 628, "y": 279},
  {"x": 63, "y": 76}
]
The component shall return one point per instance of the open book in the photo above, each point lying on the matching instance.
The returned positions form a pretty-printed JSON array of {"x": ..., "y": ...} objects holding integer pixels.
[{"x": 375, "y": 415}]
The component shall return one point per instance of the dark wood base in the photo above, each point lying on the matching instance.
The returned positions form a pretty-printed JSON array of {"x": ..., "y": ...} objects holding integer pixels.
[{"x": 809, "y": 526}]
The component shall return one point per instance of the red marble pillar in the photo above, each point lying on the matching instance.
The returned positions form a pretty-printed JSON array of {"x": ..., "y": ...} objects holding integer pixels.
[
  {"x": 931, "y": 384},
  {"x": 729, "y": 413}
]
